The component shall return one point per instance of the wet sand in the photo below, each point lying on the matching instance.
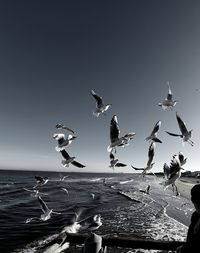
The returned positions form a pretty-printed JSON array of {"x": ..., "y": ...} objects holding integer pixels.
[{"x": 185, "y": 184}]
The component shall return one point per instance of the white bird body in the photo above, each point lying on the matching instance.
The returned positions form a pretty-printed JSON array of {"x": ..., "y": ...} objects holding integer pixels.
[
  {"x": 173, "y": 172},
  {"x": 62, "y": 141},
  {"x": 168, "y": 102}
]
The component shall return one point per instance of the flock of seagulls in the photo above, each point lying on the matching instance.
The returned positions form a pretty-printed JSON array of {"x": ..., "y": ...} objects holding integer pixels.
[
  {"x": 117, "y": 140},
  {"x": 171, "y": 172}
]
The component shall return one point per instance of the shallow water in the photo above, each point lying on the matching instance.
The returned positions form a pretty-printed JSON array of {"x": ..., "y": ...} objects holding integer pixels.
[{"x": 125, "y": 211}]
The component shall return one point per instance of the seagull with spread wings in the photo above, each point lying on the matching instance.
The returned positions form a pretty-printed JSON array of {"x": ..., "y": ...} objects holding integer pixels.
[
  {"x": 149, "y": 165},
  {"x": 101, "y": 108},
  {"x": 70, "y": 160},
  {"x": 168, "y": 102},
  {"x": 46, "y": 215},
  {"x": 115, "y": 138},
  {"x": 173, "y": 172},
  {"x": 154, "y": 133},
  {"x": 114, "y": 162},
  {"x": 62, "y": 141},
  {"x": 185, "y": 134}
]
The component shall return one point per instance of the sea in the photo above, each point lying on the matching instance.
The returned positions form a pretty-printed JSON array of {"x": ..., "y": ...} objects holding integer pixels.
[{"x": 126, "y": 211}]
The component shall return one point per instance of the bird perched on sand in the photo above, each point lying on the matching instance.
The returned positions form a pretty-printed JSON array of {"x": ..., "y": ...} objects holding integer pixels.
[
  {"x": 154, "y": 133},
  {"x": 115, "y": 138},
  {"x": 40, "y": 181},
  {"x": 46, "y": 212},
  {"x": 173, "y": 172},
  {"x": 62, "y": 126},
  {"x": 62, "y": 141},
  {"x": 70, "y": 160},
  {"x": 101, "y": 108},
  {"x": 168, "y": 102},
  {"x": 114, "y": 162},
  {"x": 149, "y": 165},
  {"x": 185, "y": 134}
]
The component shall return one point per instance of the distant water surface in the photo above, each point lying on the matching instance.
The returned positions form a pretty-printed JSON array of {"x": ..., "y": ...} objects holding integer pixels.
[{"x": 125, "y": 211}]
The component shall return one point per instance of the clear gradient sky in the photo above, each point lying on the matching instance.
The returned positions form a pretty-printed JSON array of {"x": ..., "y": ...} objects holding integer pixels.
[{"x": 52, "y": 53}]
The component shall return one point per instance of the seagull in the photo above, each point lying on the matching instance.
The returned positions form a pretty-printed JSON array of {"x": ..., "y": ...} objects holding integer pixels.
[
  {"x": 168, "y": 102},
  {"x": 46, "y": 212},
  {"x": 62, "y": 178},
  {"x": 114, "y": 162},
  {"x": 69, "y": 159},
  {"x": 153, "y": 135},
  {"x": 185, "y": 134},
  {"x": 91, "y": 223},
  {"x": 62, "y": 141},
  {"x": 173, "y": 172},
  {"x": 149, "y": 165},
  {"x": 147, "y": 190},
  {"x": 40, "y": 181},
  {"x": 62, "y": 126},
  {"x": 115, "y": 139},
  {"x": 100, "y": 107},
  {"x": 35, "y": 193}
]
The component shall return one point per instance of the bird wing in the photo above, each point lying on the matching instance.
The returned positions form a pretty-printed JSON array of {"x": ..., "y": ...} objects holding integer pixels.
[
  {"x": 98, "y": 99},
  {"x": 43, "y": 205},
  {"x": 156, "y": 128},
  {"x": 169, "y": 95},
  {"x": 120, "y": 165},
  {"x": 135, "y": 168},
  {"x": 114, "y": 129},
  {"x": 182, "y": 159},
  {"x": 62, "y": 126},
  {"x": 182, "y": 125},
  {"x": 65, "y": 154},
  {"x": 77, "y": 164},
  {"x": 174, "y": 134},
  {"x": 151, "y": 153}
]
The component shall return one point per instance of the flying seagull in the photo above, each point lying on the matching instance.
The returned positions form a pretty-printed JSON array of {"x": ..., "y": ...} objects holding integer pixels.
[
  {"x": 40, "y": 181},
  {"x": 149, "y": 165},
  {"x": 154, "y": 133},
  {"x": 185, "y": 134},
  {"x": 62, "y": 141},
  {"x": 69, "y": 159},
  {"x": 115, "y": 138},
  {"x": 173, "y": 172},
  {"x": 34, "y": 193},
  {"x": 168, "y": 102},
  {"x": 62, "y": 126},
  {"x": 114, "y": 162},
  {"x": 100, "y": 107},
  {"x": 46, "y": 215}
]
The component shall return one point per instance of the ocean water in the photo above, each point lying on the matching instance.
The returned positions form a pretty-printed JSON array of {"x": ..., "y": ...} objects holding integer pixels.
[{"x": 125, "y": 211}]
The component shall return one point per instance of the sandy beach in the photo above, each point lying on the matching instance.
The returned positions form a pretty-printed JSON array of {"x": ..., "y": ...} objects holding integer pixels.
[{"x": 185, "y": 184}]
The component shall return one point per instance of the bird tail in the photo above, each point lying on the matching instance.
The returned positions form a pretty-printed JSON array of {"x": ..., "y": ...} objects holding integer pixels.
[{"x": 58, "y": 149}]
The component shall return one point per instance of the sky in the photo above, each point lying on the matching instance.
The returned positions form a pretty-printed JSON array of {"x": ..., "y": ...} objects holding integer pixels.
[{"x": 52, "y": 53}]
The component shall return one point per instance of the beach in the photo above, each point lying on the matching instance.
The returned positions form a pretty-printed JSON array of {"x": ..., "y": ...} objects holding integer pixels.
[{"x": 185, "y": 184}]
